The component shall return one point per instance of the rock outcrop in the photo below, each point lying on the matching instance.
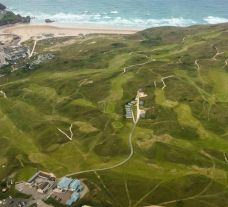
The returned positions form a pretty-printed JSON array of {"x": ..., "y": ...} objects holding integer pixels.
[
  {"x": 49, "y": 21},
  {"x": 9, "y": 17},
  {"x": 2, "y": 7}
]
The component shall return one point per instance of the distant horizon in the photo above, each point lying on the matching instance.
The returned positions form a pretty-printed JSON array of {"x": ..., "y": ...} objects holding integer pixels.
[{"x": 123, "y": 13}]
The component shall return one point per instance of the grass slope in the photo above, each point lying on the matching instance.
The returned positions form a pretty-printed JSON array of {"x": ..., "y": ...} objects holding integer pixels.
[{"x": 181, "y": 145}]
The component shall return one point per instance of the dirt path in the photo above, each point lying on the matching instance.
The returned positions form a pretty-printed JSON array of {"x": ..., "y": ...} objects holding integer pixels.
[
  {"x": 199, "y": 71},
  {"x": 130, "y": 141},
  {"x": 197, "y": 65},
  {"x": 3, "y": 93},
  {"x": 33, "y": 49},
  {"x": 107, "y": 189},
  {"x": 217, "y": 54},
  {"x": 226, "y": 62},
  {"x": 200, "y": 194},
  {"x": 128, "y": 193},
  {"x": 124, "y": 70},
  {"x": 155, "y": 84},
  {"x": 116, "y": 165},
  {"x": 163, "y": 81},
  {"x": 147, "y": 194},
  {"x": 225, "y": 157},
  {"x": 188, "y": 198},
  {"x": 133, "y": 117},
  {"x": 179, "y": 61},
  {"x": 71, "y": 133},
  {"x": 139, "y": 64}
]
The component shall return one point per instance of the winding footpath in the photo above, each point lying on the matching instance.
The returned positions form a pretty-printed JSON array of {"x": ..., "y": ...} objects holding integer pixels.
[
  {"x": 130, "y": 141},
  {"x": 116, "y": 165},
  {"x": 139, "y": 64},
  {"x": 3, "y": 94},
  {"x": 217, "y": 54},
  {"x": 226, "y": 62},
  {"x": 201, "y": 194},
  {"x": 225, "y": 157},
  {"x": 163, "y": 81},
  {"x": 197, "y": 65},
  {"x": 199, "y": 71}
]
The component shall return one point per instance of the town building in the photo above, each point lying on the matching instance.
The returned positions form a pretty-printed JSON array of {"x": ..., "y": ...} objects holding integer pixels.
[
  {"x": 42, "y": 181},
  {"x": 128, "y": 109},
  {"x": 67, "y": 191}
]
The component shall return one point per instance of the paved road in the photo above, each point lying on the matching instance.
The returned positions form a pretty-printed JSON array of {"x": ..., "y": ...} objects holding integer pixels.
[{"x": 130, "y": 140}]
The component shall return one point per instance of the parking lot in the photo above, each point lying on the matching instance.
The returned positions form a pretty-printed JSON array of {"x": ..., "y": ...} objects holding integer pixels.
[
  {"x": 24, "y": 188},
  {"x": 15, "y": 202}
]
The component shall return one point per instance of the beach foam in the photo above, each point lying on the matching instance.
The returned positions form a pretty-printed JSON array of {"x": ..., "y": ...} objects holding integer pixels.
[
  {"x": 108, "y": 19},
  {"x": 124, "y": 13},
  {"x": 215, "y": 20},
  {"x": 114, "y": 12}
]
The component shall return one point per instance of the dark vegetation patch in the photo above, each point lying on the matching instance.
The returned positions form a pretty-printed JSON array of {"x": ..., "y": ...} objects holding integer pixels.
[
  {"x": 165, "y": 152},
  {"x": 111, "y": 146}
]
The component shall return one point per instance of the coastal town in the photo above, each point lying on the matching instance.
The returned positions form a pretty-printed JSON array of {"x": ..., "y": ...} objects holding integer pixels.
[
  {"x": 15, "y": 56},
  {"x": 44, "y": 187}
]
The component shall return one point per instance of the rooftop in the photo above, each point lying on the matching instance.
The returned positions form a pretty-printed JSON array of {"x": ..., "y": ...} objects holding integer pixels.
[
  {"x": 69, "y": 184},
  {"x": 75, "y": 184},
  {"x": 74, "y": 197},
  {"x": 64, "y": 183}
]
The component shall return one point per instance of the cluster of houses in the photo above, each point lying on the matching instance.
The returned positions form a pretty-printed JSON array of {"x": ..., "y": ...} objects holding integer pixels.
[
  {"x": 15, "y": 53},
  {"x": 43, "y": 185},
  {"x": 42, "y": 181},
  {"x": 128, "y": 109},
  {"x": 10, "y": 55},
  {"x": 42, "y": 58}
]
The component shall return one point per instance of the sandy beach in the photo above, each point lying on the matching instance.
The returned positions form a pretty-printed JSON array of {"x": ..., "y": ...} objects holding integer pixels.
[{"x": 28, "y": 31}]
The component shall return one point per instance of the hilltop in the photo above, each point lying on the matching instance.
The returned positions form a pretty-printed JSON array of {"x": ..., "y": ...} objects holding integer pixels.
[{"x": 180, "y": 146}]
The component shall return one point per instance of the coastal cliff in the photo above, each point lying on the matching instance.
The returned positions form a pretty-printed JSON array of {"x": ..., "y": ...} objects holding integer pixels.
[{"x": 9, "y": 17}]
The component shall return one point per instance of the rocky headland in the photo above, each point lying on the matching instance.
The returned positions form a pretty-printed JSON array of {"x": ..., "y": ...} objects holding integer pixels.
[{"x": 8, "y": 17}]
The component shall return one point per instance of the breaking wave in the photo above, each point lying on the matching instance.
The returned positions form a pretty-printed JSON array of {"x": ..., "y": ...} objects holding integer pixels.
[
  {"x": 215, "y": 20},
  {"x": 109, "y": 19},
  {"x": 112, "y": 19}
]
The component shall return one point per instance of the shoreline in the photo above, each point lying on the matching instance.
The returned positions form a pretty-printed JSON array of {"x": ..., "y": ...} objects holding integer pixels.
[{"x": 28, "y": 31}]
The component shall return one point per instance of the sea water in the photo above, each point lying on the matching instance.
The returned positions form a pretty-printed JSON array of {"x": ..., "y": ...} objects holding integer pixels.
[{"x": 124, "y": 13}]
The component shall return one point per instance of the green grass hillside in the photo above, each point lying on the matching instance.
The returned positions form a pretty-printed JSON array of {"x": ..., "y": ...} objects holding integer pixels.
[{"x": 181, "y": 146}]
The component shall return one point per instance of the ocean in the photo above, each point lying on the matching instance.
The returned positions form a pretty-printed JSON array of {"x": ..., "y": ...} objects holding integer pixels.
[{"x": 123, "y": 13}]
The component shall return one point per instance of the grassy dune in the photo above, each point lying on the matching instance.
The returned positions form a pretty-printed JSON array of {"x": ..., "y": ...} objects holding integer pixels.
[{"x": 180, "y": 146}]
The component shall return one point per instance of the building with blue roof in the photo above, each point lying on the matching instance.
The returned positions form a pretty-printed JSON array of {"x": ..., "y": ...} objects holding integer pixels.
[
  {"x": 68, "y": 190},
  {"x": 74, "y": 197},
  {"x": 75, "y": 185},
  {"x": 64, "y": 183}
]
